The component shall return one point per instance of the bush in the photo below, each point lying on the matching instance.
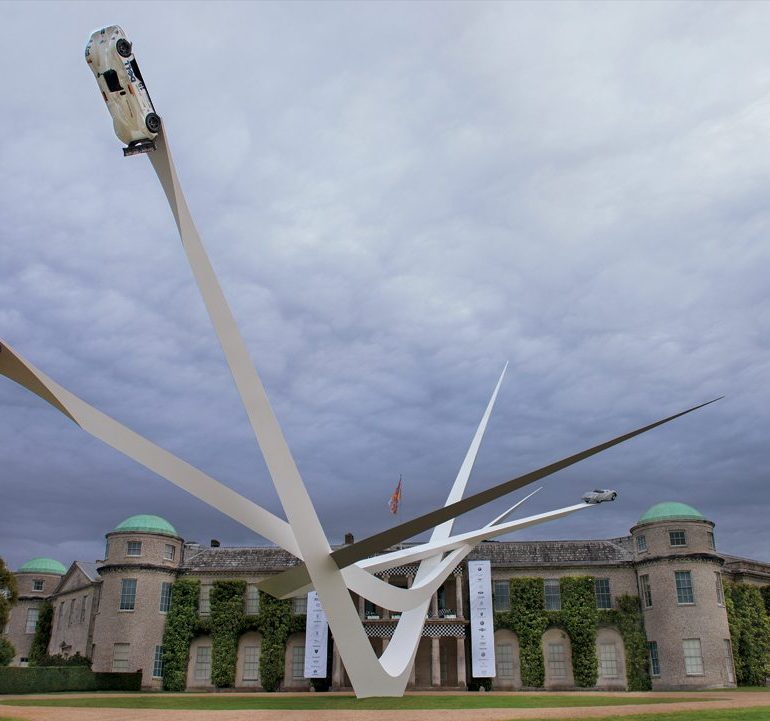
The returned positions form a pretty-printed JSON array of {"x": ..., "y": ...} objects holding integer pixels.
[
  {"x": 7, "y": 652},
  {"x": 749, "y": 633},
  {"x": 42, "y": 637},
  {"x": 227, "y": 621},
  {"x": 59, "y": 660},
  {"x": 65, "y": 678},
  {"x": 181, "y": 624}
]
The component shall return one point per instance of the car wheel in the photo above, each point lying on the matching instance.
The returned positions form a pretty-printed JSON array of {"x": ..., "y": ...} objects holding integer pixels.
[
  {"x": 152, "y": 121},
  {"x": 123, "y": 47},
  {"x": 614, "y": 496}
]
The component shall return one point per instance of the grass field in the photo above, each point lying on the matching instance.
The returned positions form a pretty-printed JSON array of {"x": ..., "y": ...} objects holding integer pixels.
[
  {"x": 313, "y": 702},
  {"x": 760, "y": 713}
]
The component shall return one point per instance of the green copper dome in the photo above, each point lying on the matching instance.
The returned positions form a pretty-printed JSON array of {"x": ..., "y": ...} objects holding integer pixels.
[
  {"x": 671, "y": 510},
  {"x": 43, "y": 565},
  {"x": 147, "y": 524}
]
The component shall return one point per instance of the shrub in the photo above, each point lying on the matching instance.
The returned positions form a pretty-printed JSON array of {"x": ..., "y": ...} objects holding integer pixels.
[
  {"x": 181, "y": 623},
  {"x": 39, "y": 648},
  {"x": 7, "y": 652},
  {"x": 59, "y": 660},
  {"x": 65, "y": 678}
]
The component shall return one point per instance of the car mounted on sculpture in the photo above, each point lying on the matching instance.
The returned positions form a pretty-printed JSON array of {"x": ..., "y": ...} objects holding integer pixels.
[
  {"x": 599, "y": 495},
  {"x": 110, "y": 57}
]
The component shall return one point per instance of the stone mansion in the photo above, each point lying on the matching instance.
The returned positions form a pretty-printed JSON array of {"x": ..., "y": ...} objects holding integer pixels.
[{"x": 114, "y": 611}]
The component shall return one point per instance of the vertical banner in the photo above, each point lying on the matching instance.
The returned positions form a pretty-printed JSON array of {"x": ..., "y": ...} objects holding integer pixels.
[
  {"x": 482, "y": 626},
  {"x": 316, "y": 638}
]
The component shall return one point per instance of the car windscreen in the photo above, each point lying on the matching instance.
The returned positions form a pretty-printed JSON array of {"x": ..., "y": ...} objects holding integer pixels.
[{"x": 111, "y": 78}]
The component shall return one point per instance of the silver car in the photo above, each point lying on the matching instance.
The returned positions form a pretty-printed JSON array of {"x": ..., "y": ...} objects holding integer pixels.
[
  {"x": 599, "y": 495},
  {"x": 112, "y": 61}
]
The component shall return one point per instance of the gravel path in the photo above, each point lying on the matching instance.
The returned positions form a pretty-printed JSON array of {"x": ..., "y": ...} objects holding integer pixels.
[{"x": 716, "y": 700}]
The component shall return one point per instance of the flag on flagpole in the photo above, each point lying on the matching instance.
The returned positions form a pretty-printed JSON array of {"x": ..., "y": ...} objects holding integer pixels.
[{"x": 395, "y": 499}]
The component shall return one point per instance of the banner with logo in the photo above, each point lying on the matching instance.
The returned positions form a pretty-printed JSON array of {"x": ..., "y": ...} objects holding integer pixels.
[
  {"x": 316, "y": 637},
  {"x": 482, "y": 626}
]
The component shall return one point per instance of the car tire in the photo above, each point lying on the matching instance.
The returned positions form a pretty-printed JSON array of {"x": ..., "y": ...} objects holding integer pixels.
[
  {"x": 614, "y": 496},
  {"x": 152, "y": 121},
  {"x": 123, "y": 47}
]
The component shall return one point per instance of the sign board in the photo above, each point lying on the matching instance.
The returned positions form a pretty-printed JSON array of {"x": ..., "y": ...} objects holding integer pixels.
[
  {"x": 316, "y": 638},
  {"x": 482, "y": 626}
]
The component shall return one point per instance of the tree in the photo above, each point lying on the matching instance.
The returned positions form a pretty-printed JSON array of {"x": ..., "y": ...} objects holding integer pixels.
[{"x": 8, "y": 593}]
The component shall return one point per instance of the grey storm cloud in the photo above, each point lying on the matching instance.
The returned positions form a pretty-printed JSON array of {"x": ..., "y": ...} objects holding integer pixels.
[{"x": 399, "y": 198}]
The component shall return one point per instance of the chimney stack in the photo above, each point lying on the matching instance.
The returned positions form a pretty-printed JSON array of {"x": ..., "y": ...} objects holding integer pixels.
[
  {"x": 348, "y": 538},
  {"x": 214, "y": 543}
]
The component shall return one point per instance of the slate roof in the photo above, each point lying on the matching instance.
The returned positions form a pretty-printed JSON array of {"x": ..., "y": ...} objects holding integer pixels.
[
  {"x": 509, "y": 554},
  {"x": 527, "y": 554},
  {"x": 89, "y": 569}
]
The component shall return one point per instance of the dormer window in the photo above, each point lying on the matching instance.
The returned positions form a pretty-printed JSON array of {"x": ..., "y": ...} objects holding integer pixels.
[
  {"x": 37, "y": 584},
  {"x": 677, "y": 538},
  {"x": 133, "y": 548}
]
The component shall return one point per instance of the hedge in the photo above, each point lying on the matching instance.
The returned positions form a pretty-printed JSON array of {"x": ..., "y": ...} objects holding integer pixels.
[
  {"x": 749, "y": 633},
  {"x": 65, "y": 678},
  {"x": 7, "y": 652}
]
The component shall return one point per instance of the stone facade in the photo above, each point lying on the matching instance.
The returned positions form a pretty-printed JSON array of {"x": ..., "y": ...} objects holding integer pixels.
[{"x": 115, "y": 611}]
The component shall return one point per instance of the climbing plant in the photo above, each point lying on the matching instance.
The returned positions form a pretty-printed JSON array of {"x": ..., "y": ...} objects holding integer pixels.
[
  {"x": 227, "y": 623},
  {"x": 181, "y": 628},
  {"x": 578, "y": 617},
  {"x": 627, "y": 618},
  {"x": 39, "y": 648},
  {"x": 749, "y": 633},
  {"x": 8, "y": 593}
]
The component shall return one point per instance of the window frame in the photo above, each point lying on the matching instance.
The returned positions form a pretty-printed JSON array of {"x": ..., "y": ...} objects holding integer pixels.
[
  {"x": 169, "y": 552},
  {"x": 502, "y": 661},
  {"x": 654, "y": 656},
  {"x": 251, "y": 604},
  {"x": 701, "y": 665},
  {"x": 681, "y": 588},
  {"x": 297, "y": 662},
  {"x": 641, "y": 543},
  {"x": 614, "y": 661},
  {"x": 253, "y": 663},
  {"x": 123, "y": 662},
  {"x": 136, "y": 546},
  {"x": 202, "y": 663},
  {"x": 37, "y": 584},
  {"x": 157, "y": 662},
  {"x": 554, "y": 662},
  {"x": 501, "y": 600},
  {"x": 165, "y": 597},
  {"x": 125, "y": 583},
  {"x": 671, "y": 533},
  {"x": 603, "y": 594},
  {"x": 204, "y": 599},
  {"x": 719, "y": 588},
  {"x": 645, "y": 590},
  {"x": 549, "y": 584},
  {"x": 30, "y": 611}
]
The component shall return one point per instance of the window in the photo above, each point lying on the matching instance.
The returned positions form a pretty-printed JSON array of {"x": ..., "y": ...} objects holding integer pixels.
[
  {"x": 608, "y": 660},
  {"x": 602, "y": 590},
  {"x": 251, "y": 663},
  {"x": 641, "y": 543},
  {"x": 684, "y": 592},
  {"x": 652, "y": 647},
  {"x": 128, "y": 594},
  {"x": 677, "y": 538},
  {"x": 60, "y": 622},
  {"x": 557, "y": 660},
  {"x": 729, "y": 661},
  {"x": 72, "y": 612},
  {"x": 134, "y": 548},
  {"x": 32, "y": 615},
  {"x": 504, "y": 660},
  {"x": 252, "y": 600},
  {"x": 165, "y": 597},
  {"x": 299, "y": 605},
  {"x": 370, "y": 609},
  {"x": 693, "y": 658},
  {"x": 203, "y": 663},
  {"x": 83, "y": 602},
  {"x": 720, "y": 589},
  {"x": 645, "y": 591},
  {"x": 204, "y": 602},
  {"x": 298, "y": 662},
  {"x": 169, "y": 552},
  {"x": 37, "y": 584},
  {"x": 157, "y": 663},
  {"x": 120, "y": 653},
  {"x": 106, "y": 550},
  {"x": 712, "y": 542},
  {"x": 111, "y": 78},
  {"x": 501, "y": 596},
  {"x": 552, "y": 594}
]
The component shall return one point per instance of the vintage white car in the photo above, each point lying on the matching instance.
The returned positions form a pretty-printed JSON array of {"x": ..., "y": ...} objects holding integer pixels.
[
  {"x": 109, "y": 55},
  {"x": 600, "y": 495}
]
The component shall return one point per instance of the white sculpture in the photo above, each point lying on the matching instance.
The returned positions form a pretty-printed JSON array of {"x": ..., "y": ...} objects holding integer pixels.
[{"x": 333, "y": 574}]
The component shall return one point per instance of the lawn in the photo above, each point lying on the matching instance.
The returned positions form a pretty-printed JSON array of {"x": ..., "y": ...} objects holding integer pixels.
[
  {"x": 760, "y": 713},
  {"x": 312, "y": 702}
]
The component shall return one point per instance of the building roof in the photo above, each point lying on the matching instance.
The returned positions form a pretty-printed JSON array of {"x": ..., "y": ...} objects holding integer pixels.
[
  {"x": 43, "y": 565},
  {"x": 671, "y": 510},
  {"x": 147, "y": 524},
  {"x": 89, "y": 569},
  {"x": 238, "y": 560},
  {"x": 554, "y": 553}
]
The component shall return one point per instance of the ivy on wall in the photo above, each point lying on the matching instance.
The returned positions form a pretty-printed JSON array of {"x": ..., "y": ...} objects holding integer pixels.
[
  {"x": 749, "y": 632},
  {"x": 226, "y": 623},
  {"x": 627, "y": 618},
  {"x": 580, "y": 619},
  {"x": 181, "y": 628},
  {"x": 39, "y": 648}
]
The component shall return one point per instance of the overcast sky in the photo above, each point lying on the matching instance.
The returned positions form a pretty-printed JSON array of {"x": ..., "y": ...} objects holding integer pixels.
[{"x": 398, "y": 198}]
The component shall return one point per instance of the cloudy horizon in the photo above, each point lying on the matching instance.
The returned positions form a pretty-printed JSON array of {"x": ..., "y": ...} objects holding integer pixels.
[{"x": 398, "y": 199}]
